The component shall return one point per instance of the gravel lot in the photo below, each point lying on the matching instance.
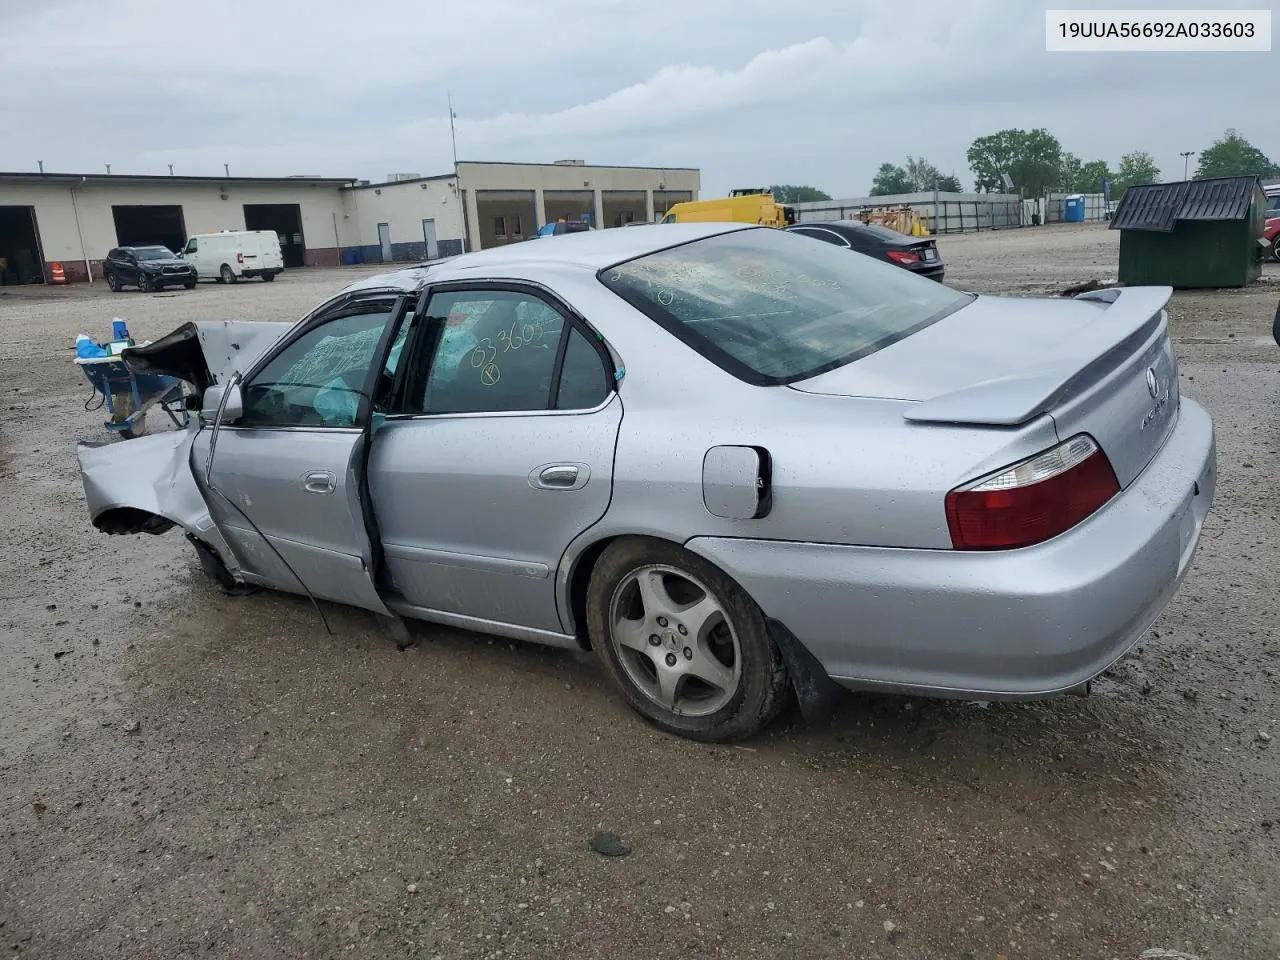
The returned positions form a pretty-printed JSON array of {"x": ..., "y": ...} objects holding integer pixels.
[{"x": 184, "y": 774}]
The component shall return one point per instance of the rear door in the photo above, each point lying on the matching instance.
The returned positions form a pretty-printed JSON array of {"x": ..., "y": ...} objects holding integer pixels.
[
  {"x": 272, "y": 257},
  {"x": 251, "y": 251},
  {"x": 497, "y": 453},
  {"x": 287, "y": 477}
]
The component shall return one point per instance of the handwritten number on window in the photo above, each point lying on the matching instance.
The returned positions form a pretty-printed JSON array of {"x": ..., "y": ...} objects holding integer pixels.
[
  {"x": 484, "y": 353},
  {"x": 530, "y": 333}
]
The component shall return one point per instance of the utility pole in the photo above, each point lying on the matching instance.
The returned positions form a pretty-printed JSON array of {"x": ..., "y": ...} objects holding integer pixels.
[
  {"x": 41, "y": 162},
  {"x": 226, "y": 168},
  {"x": 1186, "y": 156},
  {"x": 457, "y": 179},
  {"x": 453, "y": 137}
]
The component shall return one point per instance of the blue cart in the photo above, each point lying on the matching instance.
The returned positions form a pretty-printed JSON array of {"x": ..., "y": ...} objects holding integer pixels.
[{"x": 129, "y": 397}]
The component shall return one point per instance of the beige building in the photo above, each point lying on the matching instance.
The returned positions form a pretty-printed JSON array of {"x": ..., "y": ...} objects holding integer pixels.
[
  {"x": 507, "y": 202},
  {"x": 74, "y": 220}
]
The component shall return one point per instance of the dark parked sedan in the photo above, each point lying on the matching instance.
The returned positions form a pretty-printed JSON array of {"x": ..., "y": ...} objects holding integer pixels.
[
  {"x": 147, "y": 268},
  {"x": 917, "y": 254}
]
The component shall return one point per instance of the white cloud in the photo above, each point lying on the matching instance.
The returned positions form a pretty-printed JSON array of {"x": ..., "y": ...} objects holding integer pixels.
[{"x": 819, "y": 91}]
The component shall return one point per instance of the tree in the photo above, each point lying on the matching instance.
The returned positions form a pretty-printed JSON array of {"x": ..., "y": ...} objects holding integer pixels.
[
  {"x": 1032, "y": 158},
  {"x": 1234, "y": 156},
  {"x": 890, "y": 180},
  {"x": 1069, "y": 172},
  {"x": 1089, "y": 178},
  {"x": 916, "y": 176},
  {"x": 1135, "y": 169},
  {"x": 788, "y": 193}
]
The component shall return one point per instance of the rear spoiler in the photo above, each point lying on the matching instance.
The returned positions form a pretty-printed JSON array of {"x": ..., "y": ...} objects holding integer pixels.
[{"x": 1127, "y": 317}]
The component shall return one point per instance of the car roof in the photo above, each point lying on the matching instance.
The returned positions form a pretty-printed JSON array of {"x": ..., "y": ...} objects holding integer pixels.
[
  {"x": 877, "y": 230},
  {"x": 589, "y": 250}
]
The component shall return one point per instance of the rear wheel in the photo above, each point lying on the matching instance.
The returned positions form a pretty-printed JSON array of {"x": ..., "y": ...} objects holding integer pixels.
[
  {"x": 226, "y": 274},
  {"x": 1275, "y": 248},
  {"x": 687, "y": 646},
  {"x": 268, "y": 277}
]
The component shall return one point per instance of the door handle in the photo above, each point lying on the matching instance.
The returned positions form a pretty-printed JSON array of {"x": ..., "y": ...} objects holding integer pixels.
[
  {"x": 319, "y": 482},
  {"x": 560, "y": 476}
]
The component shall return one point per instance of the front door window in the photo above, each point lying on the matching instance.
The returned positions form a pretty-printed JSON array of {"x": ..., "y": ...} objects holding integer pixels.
[{"x": 317, "y": 380}]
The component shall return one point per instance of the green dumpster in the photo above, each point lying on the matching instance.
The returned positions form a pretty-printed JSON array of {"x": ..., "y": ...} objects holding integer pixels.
[{"x": 1197, "y": 233}]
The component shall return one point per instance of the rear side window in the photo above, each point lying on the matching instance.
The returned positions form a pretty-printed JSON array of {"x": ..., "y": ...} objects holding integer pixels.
[
  {"x": 504, "y": 351},
  {"x": 771, "y": 308},
  {"x": 827, "y": 236}
]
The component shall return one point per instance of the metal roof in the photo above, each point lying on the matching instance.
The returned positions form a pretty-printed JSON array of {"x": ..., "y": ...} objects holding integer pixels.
[
  {"x": 97, "y": 179},
  {"x": 1159, "y": 206}
]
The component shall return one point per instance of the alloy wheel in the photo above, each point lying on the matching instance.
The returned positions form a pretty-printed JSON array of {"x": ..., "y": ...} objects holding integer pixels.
[{"x": 675, "y": 641}]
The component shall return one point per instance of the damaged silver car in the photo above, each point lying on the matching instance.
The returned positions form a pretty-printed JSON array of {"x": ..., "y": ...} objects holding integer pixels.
[{"x": 741, "y": 464}]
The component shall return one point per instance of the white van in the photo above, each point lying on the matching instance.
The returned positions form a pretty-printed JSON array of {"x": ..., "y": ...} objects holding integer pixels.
[{"x": 228, "y": 255}]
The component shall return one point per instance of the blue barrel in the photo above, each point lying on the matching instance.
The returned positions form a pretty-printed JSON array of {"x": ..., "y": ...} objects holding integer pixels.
[
  {"x": 350, "y": 257},
  {"x": 1073, "y": 208}
]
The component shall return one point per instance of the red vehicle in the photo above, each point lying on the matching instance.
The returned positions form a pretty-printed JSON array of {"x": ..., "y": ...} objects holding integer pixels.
[{"x": 1271, "y": 230}]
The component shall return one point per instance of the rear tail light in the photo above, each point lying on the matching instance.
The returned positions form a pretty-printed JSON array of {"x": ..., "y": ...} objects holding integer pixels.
[
  {"x": 1034, "y": 500},
  {"x": 904, "y": 257},
  {"x": 239, "y": 258}
]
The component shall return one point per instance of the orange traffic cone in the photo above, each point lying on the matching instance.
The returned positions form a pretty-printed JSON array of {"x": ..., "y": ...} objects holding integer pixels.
[{"x": 56, "y": 273}]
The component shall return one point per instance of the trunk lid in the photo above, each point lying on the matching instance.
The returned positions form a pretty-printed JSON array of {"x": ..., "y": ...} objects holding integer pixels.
[
  {"x": 205, "y": 352},
  {"x": 1101, "y": 364}
]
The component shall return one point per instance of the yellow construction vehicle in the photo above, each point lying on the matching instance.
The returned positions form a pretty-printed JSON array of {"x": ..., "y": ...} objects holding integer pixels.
[{"x": 741, "y": 206}]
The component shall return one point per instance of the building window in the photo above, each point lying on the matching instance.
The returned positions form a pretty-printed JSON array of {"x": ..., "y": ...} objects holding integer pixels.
[
  {"x": 500, "y": 227},
  {"x": 517, "y": 228}
]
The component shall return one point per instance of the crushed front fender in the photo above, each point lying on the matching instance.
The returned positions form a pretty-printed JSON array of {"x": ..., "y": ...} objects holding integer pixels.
[{"x": 146, "y": 485}]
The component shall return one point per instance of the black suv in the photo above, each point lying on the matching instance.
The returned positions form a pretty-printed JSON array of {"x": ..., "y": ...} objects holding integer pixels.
[{"x": 147, "y": 268}]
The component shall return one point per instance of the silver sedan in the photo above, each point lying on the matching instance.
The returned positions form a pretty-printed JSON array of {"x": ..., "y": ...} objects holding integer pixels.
[{"x": 741, "y": 464}]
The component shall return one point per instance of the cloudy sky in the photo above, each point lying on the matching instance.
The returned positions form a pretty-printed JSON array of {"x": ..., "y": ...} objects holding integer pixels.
[{"x": 751, "y": 91}]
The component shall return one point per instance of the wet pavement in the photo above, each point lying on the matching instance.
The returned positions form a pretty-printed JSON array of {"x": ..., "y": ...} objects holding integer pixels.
[{"x": 184, "y": 774}]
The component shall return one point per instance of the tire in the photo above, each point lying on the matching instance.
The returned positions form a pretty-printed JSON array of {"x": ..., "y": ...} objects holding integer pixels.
[
  {"x": 190, "y": 284},
  {"x": 144, "y": 285},
  {"x": 268, "y": 277},
  {"x": 730, "y": 644},
  {"x": 217, "y": 571},
  {"x": 226, "y": 274},
  {"x": 112, "y": 283},
  {"x": 1275, "y": 248}
]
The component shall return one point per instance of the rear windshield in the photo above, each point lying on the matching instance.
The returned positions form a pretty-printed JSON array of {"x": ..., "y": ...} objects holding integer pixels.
[
  {"x": 770, "y": 307},
  {"x": 886, "y": 234}
]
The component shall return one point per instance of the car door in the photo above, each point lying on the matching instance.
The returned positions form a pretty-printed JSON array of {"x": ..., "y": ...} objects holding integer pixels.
[
  {"x": 128, "y": 267},
  {"x": 286, "y": 476},
  {"x": 197, "y": 254},
  {"x": 496, "y": 454}
]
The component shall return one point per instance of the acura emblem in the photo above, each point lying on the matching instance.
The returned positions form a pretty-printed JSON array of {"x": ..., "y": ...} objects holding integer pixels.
[{"x": 1153, "y": 385}]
